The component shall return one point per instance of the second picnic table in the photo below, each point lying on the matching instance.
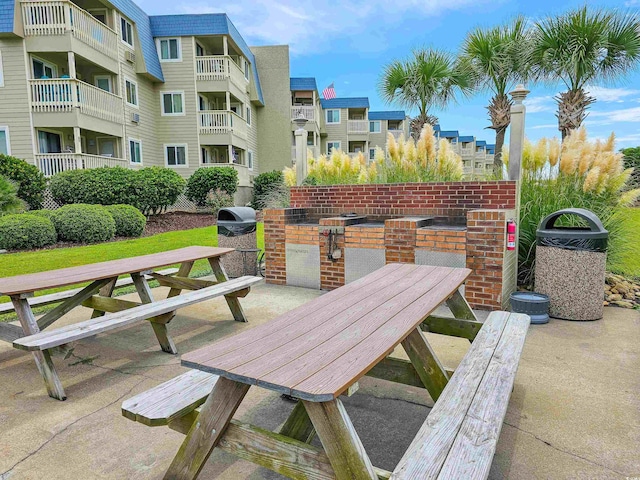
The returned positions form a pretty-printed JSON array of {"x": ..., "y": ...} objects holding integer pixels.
[{"x": 97, "y": 295}]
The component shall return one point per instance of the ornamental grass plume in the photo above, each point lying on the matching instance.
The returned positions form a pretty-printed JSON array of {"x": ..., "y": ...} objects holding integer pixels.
[{"x": 577, "y": 173}]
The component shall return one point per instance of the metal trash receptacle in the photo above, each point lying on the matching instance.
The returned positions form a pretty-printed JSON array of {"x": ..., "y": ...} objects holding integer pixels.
[
  {"x": 570, "y": 265},
  {"x": 237, "y": 229}
]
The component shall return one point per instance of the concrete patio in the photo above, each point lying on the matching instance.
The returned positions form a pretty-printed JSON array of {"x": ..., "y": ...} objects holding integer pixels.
[{"x": 574, "y": 411}]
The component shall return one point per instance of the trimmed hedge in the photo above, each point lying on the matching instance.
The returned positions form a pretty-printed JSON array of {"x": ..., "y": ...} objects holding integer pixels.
[
  {"x": 207, "y": 179},
  {"x": 265, "y": 184},
  {"x": 150, "y": 189},
  {"x": 31, "y": 182},
  {"x": 23, "y": 231},
  {"x": 130, "y": 221},
  {"x": 41, "y": 213},
  {"x": 84, "y": 223}
]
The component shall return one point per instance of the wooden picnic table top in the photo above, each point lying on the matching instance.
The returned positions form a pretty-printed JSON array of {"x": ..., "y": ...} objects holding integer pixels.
[
  {"x": 33, "y": 282},
  {"x": 318, "y": 350}
]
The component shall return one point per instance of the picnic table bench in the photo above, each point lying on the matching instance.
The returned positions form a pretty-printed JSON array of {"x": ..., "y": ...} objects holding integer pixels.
[
  {"x": 111, "y": 313},
  {"x": 318, "y": 352}
]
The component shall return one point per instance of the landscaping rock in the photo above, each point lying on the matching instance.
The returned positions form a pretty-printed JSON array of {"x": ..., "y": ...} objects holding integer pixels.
[{"x": 621, "y": 292}]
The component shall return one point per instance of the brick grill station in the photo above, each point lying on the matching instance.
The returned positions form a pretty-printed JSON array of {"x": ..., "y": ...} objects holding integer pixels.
[{"x": 444, "y": 224}]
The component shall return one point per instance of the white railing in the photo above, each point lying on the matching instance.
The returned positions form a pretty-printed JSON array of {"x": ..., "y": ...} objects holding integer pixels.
[
  {"x": 303, "y": 111},
  {"x": 63, "y": 95},
  {"x": 357, "y": 126},
  {"x": 213, "y": 122},
  {"x": 58, "y": 17},
  {"x": 243, "y": 170},
  {"x": 396, "y": 133},
  {"x": 219, "y": 67},
  {"x": 52, "y": 163},
  {"x": 311, "y": 151}
]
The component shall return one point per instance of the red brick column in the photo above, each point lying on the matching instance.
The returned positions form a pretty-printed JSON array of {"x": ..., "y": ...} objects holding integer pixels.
[
  {"x": 275, "y": 221},
  {"x": 400, "y": 240},
  {"x": 332, "y": 271},
  {"x": 486, "y": 250}
]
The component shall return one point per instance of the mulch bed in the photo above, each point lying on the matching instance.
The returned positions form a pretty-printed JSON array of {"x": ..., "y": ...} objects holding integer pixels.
[{"x": 172, "y": 221}]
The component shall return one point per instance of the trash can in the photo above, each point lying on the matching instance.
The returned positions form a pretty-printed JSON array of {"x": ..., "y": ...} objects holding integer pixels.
[
  {"x": 570, "y": 265},
  {"x": 237, "y": 229}
]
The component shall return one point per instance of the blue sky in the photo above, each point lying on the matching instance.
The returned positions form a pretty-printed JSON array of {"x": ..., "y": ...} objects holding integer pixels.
[{"x": 349, "y": 42}]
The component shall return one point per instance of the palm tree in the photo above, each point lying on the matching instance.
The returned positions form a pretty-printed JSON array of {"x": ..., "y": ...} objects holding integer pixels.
[
  {"x": 498, "y": 58},
  {"x": 582, "y": 47},
  {"x": 431, "y": 78}
]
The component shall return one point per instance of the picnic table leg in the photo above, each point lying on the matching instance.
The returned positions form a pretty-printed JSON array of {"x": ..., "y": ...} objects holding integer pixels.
[
  {"x": 43, "y": 359},
  {"x": 460, "y": 307},
  {"x": 233, "y": 302},
  {"x": 429, "y": 369},
  {"x": 340, "y": 441},
  {"x": 299, "y": 425},
  {"x": 160, "y": 329},
  {"x": 105, "y": 291},
  {"x": 208, "y": 429},
  {"x": 183, "y": 271}
]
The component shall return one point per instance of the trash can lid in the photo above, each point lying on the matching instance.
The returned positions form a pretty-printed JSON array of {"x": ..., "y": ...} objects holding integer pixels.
[
  {"x": 237, "y": 214},
  {"x": 595, "y": 229}
]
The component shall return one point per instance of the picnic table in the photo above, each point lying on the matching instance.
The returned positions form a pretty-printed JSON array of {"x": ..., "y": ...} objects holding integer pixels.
[
  {"x": 97, "y": 295},
  {"x": 319, "y": 351}
]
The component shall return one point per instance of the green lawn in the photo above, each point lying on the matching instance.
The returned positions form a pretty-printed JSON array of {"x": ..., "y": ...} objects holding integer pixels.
[
  {"x": 43, "y": 260},
  {"x": 629, "y": 262}
]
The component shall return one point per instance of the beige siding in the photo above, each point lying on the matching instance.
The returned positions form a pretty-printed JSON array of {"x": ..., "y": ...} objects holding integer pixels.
[
  {"x": 252, "y": 139},
  {"x": 14, "y": 98},
  {"x": 336, "y": 132}
]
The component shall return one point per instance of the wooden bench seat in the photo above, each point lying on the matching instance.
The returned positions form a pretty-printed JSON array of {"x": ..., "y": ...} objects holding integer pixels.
[
  {"x": 459, "y": 437},
  {"x": 48, "y": 339}
]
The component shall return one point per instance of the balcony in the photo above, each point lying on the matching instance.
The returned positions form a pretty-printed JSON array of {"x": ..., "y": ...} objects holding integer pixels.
[
  {"x": 222, "y": 127},
  {"x": 396, "y": 133},
  {"x": 66, "y": 98},
  {"x": 52, "y": 163},
  {"x": 214, "y": 72},
  {"x": 307, "y": 112},
  {"x": 62, "y": 18},
  {"x": 358, "y": 126},
  {"x": 312, "y": 152}
]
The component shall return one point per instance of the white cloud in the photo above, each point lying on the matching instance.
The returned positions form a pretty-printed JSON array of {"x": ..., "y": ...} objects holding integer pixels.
[
  {"x": 632, "y": 3},
  {"x": 621, "y": 115},
  {"x": 540, "y": 104},
  {"x": 309, "y": 25},
  {"x": 615, "y": 95},
  {"x": 547, "y": 126}
]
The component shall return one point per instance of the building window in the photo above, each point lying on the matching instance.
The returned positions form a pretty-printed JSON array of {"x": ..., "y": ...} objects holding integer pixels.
[
  {"x": 135, "y": 151},
  {"x": 375, "y": 127},
  {"x": 249, "y": 116},
  {"x": 172, "y": 103},
  {"x": 246, "y": 70},
  {"x": 126, "y": 31},
  {"x": 5, "y": 145},
  {"x": 1, "y": 72},
  {"x": 372, "y": 154},
  {"x": 131, "y": 90},
  {"x": 42, "y": 69},
  {"x": 250, "y": 159},
  {"x": 331, "y": 146},
  {"x": 333, "y": 116},
  {"x": 169, "y": 49},
  {"x": 175, "y": 155}
]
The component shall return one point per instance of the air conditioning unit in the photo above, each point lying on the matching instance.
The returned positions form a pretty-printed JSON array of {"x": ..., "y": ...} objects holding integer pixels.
[
  {"x": 130, "y": 57},
  {"x": 135, "y": 117}
]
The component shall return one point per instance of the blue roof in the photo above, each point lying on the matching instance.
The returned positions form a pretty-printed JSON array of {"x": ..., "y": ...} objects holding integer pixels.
[
  {"x": 466, "y": 138},
  {"x": 145, "y": 37},
  {"x": 436, "y": 127},
  {"x": 6, "y": 16},
  {"x": 449, "y": 134},
  {"x": 352, "y": 102},
  {"x": 480, "y": 143},
  {"x": 392, "y": 115},
  {"x": 203, "y": 24},
  {"x": 302, "y": 83}
]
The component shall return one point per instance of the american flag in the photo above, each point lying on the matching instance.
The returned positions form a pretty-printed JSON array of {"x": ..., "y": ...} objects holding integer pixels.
[{"x": 329, "y": 92}]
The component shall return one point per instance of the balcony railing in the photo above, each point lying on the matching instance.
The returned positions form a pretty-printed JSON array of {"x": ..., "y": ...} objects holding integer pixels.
[
  {"x": 311, "y": 151},
  {"x": 52, "y": 163},
  {"x": 61, "y": 95},
  {"x": 215, "y": 122},
  {"x": 219, "y": 67},
  {"x": 396, "y": 133},
  {"x": 59, "y": 17},
  {"x": 307, "y": 112},
  {"x": 357, "y": 126}
]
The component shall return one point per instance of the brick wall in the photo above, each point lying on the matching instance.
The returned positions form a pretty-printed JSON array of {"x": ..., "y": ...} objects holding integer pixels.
[
  {"x": 441, "y": 240},
  {"x": 400, "y": 240},
  {"x": 364, "y": 237},
  {"x": 275, "y": 221},
  {"x": 301, "y": 234}
]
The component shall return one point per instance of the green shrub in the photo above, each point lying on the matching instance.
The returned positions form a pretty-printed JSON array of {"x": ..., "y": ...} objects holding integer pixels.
[
  {"x": 217, "y": 199},
  {"x": 9, "y": 201},
  {"x": 206, "y": 179},
  {"x": 84, "y": 223},
  {"x": 31, "y": 182},
  {"x": 130, "y": 221},
  {"x": 98, "y": 186},
  {"x": 156, "y": 188},
  {"x": 41, "y": 213},
  {"x": 25, "y": 232},
  {"x": 263, "y": 186}
]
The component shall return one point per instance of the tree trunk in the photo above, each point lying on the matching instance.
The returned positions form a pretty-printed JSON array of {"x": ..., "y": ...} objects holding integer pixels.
[
  {"x": 500, "y": 115},
  {"x": 417, "y": 123},
  {"x": 572, "y": 110}
]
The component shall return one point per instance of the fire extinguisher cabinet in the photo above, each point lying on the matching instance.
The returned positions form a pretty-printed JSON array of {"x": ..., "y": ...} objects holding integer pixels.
[{"x": 570, "y": 265}]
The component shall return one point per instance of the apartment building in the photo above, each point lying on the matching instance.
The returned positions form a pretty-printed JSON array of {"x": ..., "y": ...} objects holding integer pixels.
[
  {"x": 477, "y": 155},
  {"x": 91, "y": 83},
  {"x": 306, "y": 105}
]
